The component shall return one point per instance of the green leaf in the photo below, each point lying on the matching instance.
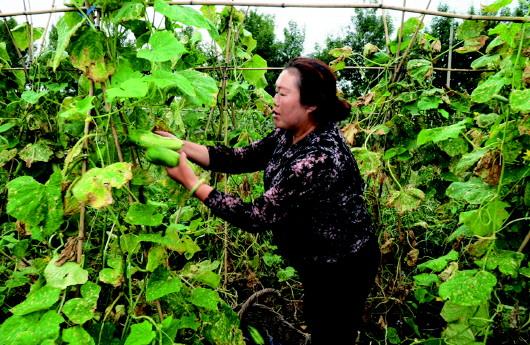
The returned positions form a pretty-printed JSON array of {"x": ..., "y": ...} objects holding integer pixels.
[
  {"x": 477, "y": 317},
  {"x": 155, "y": 257},
  {"x": 520, "y": 100},
  {"x": 81, "y": 310},
  {"x": 468, "y": 288},
  {"x": 164, "y": 79},
  {"x": 76, "y": 108},
  {"x": 144, "y": 214},
  {"x": 369, "y": 161},
  {"x": 77, "y": 336},
  {"x": 426, "y": 279},
  {"x": 430, "y": 102},
  {"x": 486, "y": 120},
  {"x": 495, "y": 6},
  {"x": 202, "y": 272},
  {"x": 113, "y": 275},
  {"x": 32, "y": 97},
  {"x": 33, "y": 329},
  {"x": 25, "y": 198},
  {"x": 458, "y": 334},
  {"x": 410, "y": 26},
  {"x": 124, "y": 71},
  {"x": 160, "y": 284},
  {"x": 406, "y": 199},
  {"x": 141, "y": 334},
  {"x": 475, "y": 191},
  {"x": 94, "y": 187},
  {"x": 38, "y": 152},
  {"x": 78, "y": 310},
  {"x": 205, "y": 298},
  {"x": 54, "y": 203},
  {"x": 454, "y": 147},
  {"x": 6, "y": 156},
  {"x": 255, "y": 77},
  {"x": 182, "y": 14},
  {"x": 24, "y": 35},
  {"x": 70, "y": 273},
  {"x": 441, "y": 133},
  {"x": 128, "y": 11},
  {"x": 66, "y": 27},
  {"x": 439, "y": 264},
  {"x": 507, "y": 261},
  {"x": 508, "y": 33},
  {"x": 163, "y": 46},
  {"x": 285, "y": 274},
  {"x": 468, "y": 160},
  {"x": 487, "y": 219},
  {"x": 486, "y": 61},
  {"x": 256, "y": 337},
  {"x": 183, "y": 245},
  {"x": 205, "y": 87},
  {"x": 34, "y": 203},
  {"x": 130, "y": 88},
  {"x": 40, "y": 299},
  {"x": 392, "y": 335},
  {"x": 419, "y": 69},
  {"x": 485, "y": 91},
  {"x": 5, "y": 60},
  {"x": 470, "y": 29},
  {"x": 496, "y": 42}
]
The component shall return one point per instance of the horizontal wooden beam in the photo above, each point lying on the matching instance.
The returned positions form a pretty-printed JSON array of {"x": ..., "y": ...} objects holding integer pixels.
[{"x": 301, "y": 4}]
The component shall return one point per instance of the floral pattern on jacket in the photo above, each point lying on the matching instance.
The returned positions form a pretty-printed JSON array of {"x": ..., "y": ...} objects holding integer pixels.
[{"x": 313, "y": 200}]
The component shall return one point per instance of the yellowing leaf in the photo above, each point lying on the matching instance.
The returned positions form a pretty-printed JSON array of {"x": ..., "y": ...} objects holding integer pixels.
[{"x": 94, "y": 188}]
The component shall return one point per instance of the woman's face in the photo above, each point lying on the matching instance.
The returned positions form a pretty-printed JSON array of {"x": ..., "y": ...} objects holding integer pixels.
[{"x": 288, "y": 112}]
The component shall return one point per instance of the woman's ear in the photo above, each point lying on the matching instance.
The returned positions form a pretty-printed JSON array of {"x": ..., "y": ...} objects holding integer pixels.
[{"x": 311, "y": 109}]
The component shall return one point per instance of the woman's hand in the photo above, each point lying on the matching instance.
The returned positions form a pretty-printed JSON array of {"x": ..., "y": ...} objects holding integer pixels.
[
  {"x": 165, "y": 134},
  {"x": 183, "y": 173}
]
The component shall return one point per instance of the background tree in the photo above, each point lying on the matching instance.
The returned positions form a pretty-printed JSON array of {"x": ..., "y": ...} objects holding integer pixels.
[
  {"x": 366, "y": 27},
  {"x": 276, "y": 52},
  {"x": 440, "y": 27}
]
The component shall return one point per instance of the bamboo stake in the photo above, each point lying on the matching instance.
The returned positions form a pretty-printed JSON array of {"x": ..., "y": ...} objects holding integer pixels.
[
  {"x": 400, "y": 37},
  {"x": 300, "y": 4},
  {"x": 387, "y": 35},
  {"x": 407, "y": 50},
  {"x": 45, "y": 34},
  {"x": 450, "y": 56}
]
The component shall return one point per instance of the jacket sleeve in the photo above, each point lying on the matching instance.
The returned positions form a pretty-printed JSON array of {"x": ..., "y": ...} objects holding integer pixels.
[
  {"x": 250, "y": 158},
  {"x": 302, "y": 181}
]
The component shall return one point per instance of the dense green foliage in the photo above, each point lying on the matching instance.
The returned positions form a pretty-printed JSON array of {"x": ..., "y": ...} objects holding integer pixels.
[{"x": 99, "y": 246}]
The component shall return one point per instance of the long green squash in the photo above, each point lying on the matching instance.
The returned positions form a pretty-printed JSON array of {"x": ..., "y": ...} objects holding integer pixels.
[{"x": 149, "y": 139}]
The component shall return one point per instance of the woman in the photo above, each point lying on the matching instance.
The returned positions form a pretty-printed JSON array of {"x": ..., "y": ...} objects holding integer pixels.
[{"x": 313, "y": 200}]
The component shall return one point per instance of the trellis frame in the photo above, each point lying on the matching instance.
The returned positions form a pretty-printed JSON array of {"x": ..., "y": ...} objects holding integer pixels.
[{"x": 300, "y": 4}]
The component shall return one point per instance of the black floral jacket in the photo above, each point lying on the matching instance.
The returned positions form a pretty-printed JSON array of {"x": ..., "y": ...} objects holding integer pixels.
[{"x": 313, "y": 200}]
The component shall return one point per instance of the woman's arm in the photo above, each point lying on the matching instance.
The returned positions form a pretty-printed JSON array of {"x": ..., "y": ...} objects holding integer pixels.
[{"x": 305, "y": 179}]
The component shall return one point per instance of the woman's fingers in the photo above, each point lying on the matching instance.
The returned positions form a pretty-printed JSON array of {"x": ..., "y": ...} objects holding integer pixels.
[{"x": 165, "y": 134}]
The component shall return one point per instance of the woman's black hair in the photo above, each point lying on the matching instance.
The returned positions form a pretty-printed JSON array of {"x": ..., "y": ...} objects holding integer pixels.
[{"x": 318, "y": 87}]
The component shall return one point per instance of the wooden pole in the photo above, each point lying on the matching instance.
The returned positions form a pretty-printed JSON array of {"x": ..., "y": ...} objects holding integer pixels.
[{"x": 450, "y": 57}]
